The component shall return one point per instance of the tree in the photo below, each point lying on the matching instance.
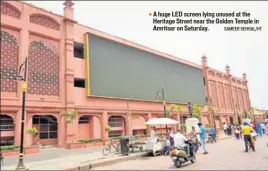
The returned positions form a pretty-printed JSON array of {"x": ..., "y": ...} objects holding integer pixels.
[
  {"x": 174, "y": 108},
  {"x": 70, "y": 117},
  {"x": 33, "y": 132},
  {"x": 210, "y": 109},
  {"x": 197, "y": 109}
]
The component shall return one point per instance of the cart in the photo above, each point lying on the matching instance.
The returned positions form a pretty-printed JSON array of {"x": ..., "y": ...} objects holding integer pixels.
[
  {"x": 135, "y": 144},
  {"x": 154, "y": 145}
]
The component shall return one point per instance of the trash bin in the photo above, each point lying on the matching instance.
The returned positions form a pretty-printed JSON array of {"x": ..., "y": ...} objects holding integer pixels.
[{"x": 124, "y": 143}]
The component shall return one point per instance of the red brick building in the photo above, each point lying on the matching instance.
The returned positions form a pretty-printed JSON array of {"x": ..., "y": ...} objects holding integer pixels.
[{"x": 58, "y": 81}]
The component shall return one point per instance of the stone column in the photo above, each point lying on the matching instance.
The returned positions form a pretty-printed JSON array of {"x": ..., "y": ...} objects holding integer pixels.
[
  {"x": 149, "y": 116},
  {"x": 69, "y": 44},
  {"x": 129, "y": 124},
  {"x": 61, "y": 132},
  {"x": 205, "y": 76},
  {"x": 104, "y": 122},
  {"x": 23, "y": 44},
  {"x": 217, "y": 93},
  {"x": 17, "y": 127},
  {"x": 28, "y": 138}
]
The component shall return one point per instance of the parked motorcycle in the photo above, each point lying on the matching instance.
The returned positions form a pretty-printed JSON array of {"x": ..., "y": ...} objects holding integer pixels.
[
  {"x": 212, "y": 138},
  {"x": 183, "y": 155}
]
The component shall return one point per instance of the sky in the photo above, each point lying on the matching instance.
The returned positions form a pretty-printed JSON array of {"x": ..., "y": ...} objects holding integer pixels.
[{"x": 244, "y": 52}]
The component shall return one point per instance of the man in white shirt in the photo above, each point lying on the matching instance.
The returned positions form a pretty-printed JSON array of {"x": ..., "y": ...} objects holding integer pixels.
[
  {"x": 153, "y": 132},
  {"x": 179, "y": 141},
  {"x": 225, "y": 128}
]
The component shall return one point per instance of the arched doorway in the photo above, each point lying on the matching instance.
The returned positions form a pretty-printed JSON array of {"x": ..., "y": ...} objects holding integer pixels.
[
  {"x": 118, "y": 126},
  {"x": 7, "y": 129},
  {"x": 138, "y": 125},
  {"x": 47, "y": 127},
  {"x": 231, "y": 120}
]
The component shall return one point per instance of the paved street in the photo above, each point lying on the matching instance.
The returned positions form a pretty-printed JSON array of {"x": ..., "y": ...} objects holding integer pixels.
[
  {"x": 226, "y": 154},
  {"x": 53, "y": 153}
]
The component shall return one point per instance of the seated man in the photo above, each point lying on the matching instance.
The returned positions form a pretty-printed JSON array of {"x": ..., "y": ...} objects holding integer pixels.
[
  {"x": 179, "y": 142},
  {"x": 212, "y": 132}
]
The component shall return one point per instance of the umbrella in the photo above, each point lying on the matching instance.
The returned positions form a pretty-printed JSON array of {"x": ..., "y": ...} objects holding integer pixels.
[{"x": 161, "y": 121}]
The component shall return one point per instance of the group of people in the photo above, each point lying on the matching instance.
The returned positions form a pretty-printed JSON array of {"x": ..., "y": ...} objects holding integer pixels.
[
  {"x": 250, "y": 132},
  {"x": 259, "y": 128},
  {"x": 178, "y": 140}
]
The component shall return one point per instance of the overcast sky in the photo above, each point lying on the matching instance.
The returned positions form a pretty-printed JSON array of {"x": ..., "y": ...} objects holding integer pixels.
[{"x": 242, "y": 51}]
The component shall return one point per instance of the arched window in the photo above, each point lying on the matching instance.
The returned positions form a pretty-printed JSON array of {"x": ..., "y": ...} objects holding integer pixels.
[
  {"x": 10, "y": 10},
  {"x": 44, "y": 21},
  {"x": 9, "y": 62},
  {"x": 43, "y": 74}
]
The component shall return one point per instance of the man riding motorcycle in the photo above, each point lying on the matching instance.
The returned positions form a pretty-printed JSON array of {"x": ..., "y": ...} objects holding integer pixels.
[{"x": 180, "y": 142}]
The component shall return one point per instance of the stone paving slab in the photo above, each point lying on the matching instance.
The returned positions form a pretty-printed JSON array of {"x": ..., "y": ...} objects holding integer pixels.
[{"x": 74, "y": 160}]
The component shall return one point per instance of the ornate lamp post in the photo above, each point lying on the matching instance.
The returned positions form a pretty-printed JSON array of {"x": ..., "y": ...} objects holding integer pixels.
[
  {"x": 23, "y": 78},
  {"x": 162, "y": 92}
]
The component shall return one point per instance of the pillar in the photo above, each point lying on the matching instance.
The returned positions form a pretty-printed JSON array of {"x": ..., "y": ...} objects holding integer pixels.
[
  {"x": 61, "y": 132},
  {"x": 17, "y": 128},
  {"x": 205, "y": 76},
  {"x": 23, "y": 44},
  {"x": 104, "y": 122},
  {"x": 69, "y": 67},
  {"x": 28, "y": 139},
  {"x": 247, "y": 99},
  {"x": 129, "y": 131},
  {"x": 149, "y": 116},
  {"x": 76, "y": 128}
]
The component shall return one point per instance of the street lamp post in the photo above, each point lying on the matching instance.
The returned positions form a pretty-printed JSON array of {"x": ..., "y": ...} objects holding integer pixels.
[
  {"x": 23, "y": 78},
  {"x": 164, "y": 103}
]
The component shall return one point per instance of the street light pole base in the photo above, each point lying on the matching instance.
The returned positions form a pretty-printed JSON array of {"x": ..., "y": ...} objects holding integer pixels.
[{"x": 21, "y": 165}]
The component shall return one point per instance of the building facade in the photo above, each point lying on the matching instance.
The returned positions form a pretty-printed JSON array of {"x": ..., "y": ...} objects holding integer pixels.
[{"x": 57, "y": 82}]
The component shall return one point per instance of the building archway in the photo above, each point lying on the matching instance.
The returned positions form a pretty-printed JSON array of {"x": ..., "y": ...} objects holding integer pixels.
[
  {"x": 7, "y": 129},
  {"x": 231, "y": 120},
  {"x": 138, "y": 124},
  {"x": 47, "y": 127},
  {"x": 89, "y": 127},
  {"x": 118, "y": 126}
]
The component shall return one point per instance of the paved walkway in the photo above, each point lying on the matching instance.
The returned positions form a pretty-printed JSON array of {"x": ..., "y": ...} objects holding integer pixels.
[
  {"x": 224, "y": 155},
  {"x": 59, "y": 158}
]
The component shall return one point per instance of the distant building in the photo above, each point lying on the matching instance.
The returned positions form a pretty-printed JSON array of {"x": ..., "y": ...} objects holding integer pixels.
[{"x": 103, "y": 77}]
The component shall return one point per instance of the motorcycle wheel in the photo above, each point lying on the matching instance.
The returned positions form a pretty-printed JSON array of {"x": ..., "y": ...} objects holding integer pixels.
[
  {"x": 177, "y": 164},
  {"x": 194, "y": 159}
]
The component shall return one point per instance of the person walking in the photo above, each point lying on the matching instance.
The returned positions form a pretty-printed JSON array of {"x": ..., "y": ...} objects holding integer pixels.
[
  {"x": 202, "y": 135},
  {"x": 192, "y": 136},
  {"x": 259, "y": 129},
  {"x": 262, "y": 127},
  {"x": 225, "y": 128},
  {"x": 237, "y": 133},
  {"x": 247, "y": 130},
  {"x": 266, "y": 128}
]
